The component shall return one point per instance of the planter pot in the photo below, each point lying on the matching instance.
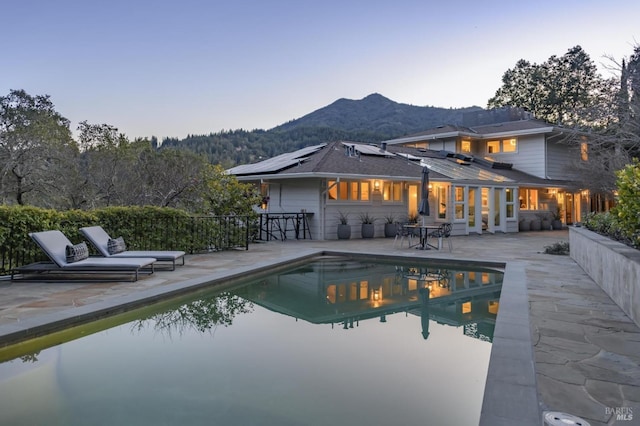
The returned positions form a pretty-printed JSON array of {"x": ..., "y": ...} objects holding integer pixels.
[
  {"x": 344, "y": 232},
  {"x": 368, "y": 230},
  {"x": 524, "y": 226},
  {"x": 390, "y": 230},
  {"x": 546, "y": 224},
  {"x": 536, "y": 225},
  {"x": 556, "y": 224}
]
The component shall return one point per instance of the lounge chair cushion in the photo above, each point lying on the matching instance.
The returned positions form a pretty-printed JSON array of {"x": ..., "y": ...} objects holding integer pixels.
[
  {"x": 116, "y": 245},
  {"x": 77, "y": 252}
]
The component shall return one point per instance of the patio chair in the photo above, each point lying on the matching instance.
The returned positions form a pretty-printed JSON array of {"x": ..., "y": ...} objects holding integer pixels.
[
  {"x": 403, "y": 232},
  {"x": 68, "y": 259},
  {"x": 443, "y": 233},
  {"x": 99, "y": 238}
]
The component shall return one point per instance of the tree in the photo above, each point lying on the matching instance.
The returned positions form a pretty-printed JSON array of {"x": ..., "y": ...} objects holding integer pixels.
[
  {"x": 563, "y": 90},
  {"x": 35, "y": 142}
]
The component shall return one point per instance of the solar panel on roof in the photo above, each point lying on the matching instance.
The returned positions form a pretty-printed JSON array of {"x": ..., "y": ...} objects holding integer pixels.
[
  {"x": 368, "y": 149},
  {"x": 456, "y": 171},
  {"x": 277, "y": 163}
]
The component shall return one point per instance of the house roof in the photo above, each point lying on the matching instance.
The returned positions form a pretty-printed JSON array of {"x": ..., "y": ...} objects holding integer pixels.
[
  {"x": 357, "y": 160},
  {"x": 509, "y": 128}
]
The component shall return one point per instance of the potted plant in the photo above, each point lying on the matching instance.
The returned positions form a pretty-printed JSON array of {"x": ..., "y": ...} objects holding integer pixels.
[
  {"x": 524, "y": 225},
  {"x": 545, "y": 222},
  {"x": 344, "y": 229},
  {"x": 390, "y": 226},
  {"x": 536, "y": 225},
  {"x": 556, "y": 222},
  {"x": 368, "y": 227}
]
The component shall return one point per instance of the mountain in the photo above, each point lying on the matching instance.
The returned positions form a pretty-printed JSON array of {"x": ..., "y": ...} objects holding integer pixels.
[
  {"x": 371, "y": 119},
  {"x": 377, "y": 114}
]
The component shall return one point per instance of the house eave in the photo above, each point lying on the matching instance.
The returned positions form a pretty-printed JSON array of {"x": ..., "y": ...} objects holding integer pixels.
[{"x": 289, "y": 176}]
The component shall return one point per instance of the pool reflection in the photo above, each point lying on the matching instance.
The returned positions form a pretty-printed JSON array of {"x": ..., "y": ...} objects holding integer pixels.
[{"x": 343, "y": 293}]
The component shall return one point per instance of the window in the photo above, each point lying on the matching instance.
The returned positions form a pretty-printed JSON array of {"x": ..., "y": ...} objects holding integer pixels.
[
  {"x": 465, "y": 146},
  {"x": 459, "y": 202},
  {"x": 509, "y": 145},
  {"x": 391, "y": 191},
  {"x": 493, "y": 147},
  {"x": 528, "y": 199},
  {"x": 348, "y": 190},
  {"x": 510, "y": 203},
  {"x": 504, "y": 145},
  {"x": 441, "y": 199},
  {"x": 584, "y": 151}
]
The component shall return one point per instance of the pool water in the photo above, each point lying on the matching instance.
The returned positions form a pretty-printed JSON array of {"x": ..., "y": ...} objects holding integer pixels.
[{"x": 335, "y": 341}]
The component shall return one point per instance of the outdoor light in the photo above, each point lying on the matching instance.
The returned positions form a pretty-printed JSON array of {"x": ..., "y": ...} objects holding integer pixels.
[
  {"x": 376, "y": 295},
  {"x": 376, "y": 185}
]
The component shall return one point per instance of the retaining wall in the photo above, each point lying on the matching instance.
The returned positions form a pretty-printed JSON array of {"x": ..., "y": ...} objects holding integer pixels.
[{"x": 612, "y": 265}]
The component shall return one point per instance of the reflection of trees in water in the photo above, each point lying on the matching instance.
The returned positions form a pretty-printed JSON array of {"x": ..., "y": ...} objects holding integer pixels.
[
  {"x": 201, "y": 315},
  {"x": 32, "y": 357}
]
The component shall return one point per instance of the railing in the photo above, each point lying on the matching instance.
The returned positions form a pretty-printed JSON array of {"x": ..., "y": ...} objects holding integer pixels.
[{"x": 196, "y": 234}]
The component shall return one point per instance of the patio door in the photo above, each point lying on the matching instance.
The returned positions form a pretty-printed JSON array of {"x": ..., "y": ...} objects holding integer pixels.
[
  {"x": 474, "y": 210},
  {"x": 493, "y": 213}
]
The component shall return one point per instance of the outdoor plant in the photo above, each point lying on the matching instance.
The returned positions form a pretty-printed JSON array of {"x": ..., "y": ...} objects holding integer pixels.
[
  {"x": 413, "y": 218},
  {"x": 366, "y": 218},
  {"x": 343, "y": 218},
  {"x": 389, "y": 218},
  {"x": 561, "y": 247},
  {"x": 626, "y": 211}
]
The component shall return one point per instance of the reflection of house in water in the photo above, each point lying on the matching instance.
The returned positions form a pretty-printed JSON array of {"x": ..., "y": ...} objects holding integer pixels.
[{"x": 344, "y": 291}]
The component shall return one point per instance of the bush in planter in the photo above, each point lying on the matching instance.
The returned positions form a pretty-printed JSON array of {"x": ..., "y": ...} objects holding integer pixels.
[
  {"x": 535, "y": 224},
  {"x": 344, "y": 229},
  {"x": 556, "y": 220},
  {"x": 390, "y": 225},
  {"x": 368, "y": 227},
  {"x": 626, "y": 211}
]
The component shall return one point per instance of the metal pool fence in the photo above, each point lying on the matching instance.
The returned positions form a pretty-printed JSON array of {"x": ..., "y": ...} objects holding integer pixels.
[{"x": 196, "y": 234}]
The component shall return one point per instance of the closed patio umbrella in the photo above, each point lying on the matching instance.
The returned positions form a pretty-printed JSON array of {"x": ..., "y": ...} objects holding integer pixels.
[{"x": 424, "y": 201}]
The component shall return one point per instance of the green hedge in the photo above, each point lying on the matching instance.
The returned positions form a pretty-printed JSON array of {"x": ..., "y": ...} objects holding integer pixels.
[
  {"x": 143, "y": 228},
  {"x": 622, "y": 223}
]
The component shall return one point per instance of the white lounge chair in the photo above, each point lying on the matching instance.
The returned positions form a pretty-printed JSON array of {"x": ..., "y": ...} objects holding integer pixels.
[
  {"x": 99, "y": 238},
  {"x": 54, "y": 244}
]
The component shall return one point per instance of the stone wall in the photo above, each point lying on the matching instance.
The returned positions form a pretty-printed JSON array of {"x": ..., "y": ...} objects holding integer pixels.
[{"x": 612, "y": 265}]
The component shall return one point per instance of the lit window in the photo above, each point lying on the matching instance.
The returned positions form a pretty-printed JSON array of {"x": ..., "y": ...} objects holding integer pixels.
[
  {"x": 510, "y": 202},
  {"x": 584, "y": 151},
  {"x": 441, "y": 199},
  {"x": 364, "y": 191},
  {"x": 332, "y": 193},
  {"x": 505, "y": 145},
  {"x": 343, "y": 193},
  {"x": 459, "y": 202},
  {"x": 509, "y": 145},
  {"x": 348, "y": 190},
  {"x": 465, "y": 146},
  {"x": 391, "y": 191},
  {"x": 528, "y": 199},
  {"x": 466, "y": 307}
]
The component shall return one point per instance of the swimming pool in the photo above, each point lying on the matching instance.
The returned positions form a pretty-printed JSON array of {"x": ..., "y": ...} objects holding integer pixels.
[{"x": 334, "y": 341}]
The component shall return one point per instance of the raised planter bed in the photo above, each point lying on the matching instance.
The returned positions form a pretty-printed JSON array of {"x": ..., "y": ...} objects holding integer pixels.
[{"x": 614, "y": 266}]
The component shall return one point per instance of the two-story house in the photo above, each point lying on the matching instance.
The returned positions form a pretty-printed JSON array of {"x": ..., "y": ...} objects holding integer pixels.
[{"x": 500, "y": 167}]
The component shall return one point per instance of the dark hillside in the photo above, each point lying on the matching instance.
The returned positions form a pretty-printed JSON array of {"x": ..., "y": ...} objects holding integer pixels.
[
  {"x": 371, "y": 119},
  {"x": 377, "y": 114}
]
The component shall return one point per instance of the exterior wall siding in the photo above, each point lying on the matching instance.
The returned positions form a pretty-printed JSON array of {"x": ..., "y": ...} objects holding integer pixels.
[
  {"x": 291, "y": 196},
  {"x": 530, "y": 157},
  {"x": 559, "y": 156}
]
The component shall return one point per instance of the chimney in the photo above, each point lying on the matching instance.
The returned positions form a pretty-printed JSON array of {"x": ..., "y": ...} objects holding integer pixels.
[{"x": 383, "y": 147}]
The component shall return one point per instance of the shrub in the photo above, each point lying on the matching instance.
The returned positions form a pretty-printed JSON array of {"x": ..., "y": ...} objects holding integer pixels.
[
  {"x": 561, "y": 247},
  {"x": 627, "y": 210}
]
